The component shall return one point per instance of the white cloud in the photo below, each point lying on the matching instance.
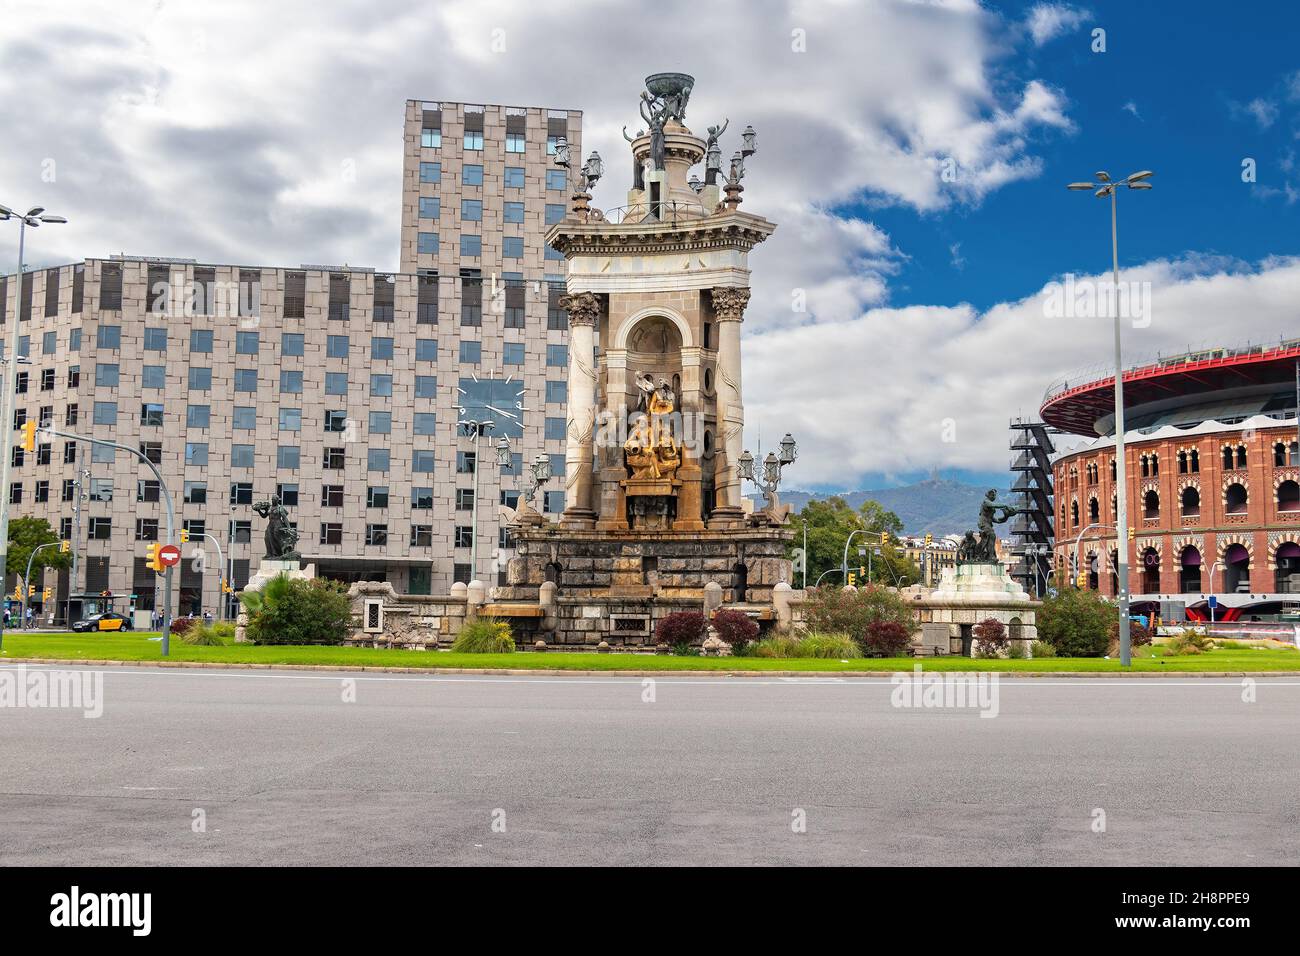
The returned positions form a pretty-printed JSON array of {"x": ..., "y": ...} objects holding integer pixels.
[
  {"x": 872, "y": 395},
  {"x": 1047, "y": 21}
]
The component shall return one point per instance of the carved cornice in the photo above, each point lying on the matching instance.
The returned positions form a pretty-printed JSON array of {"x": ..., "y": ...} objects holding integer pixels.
[
  {"x": 729, "y": 302},
  {"x": 720, "y": 231},
  {"x": 583, "y": 308}
]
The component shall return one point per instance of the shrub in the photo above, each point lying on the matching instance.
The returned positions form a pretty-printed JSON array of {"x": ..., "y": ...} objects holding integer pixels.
[
  {"x": 1016, "y": 651},
  {"x": 831, "y": 611},
  {"x": 681, "y": 627},
  {"x": 1189, "y": 641},
  {"x": 735, "y": 627},
  {"x": 1138, "y": 633},
  {"x": 990, "y": 637},
  {"x": 886, "y": 638},
  {"x": 1042, "y": 649},
  {"x": 685, "y": 649},
  {"x": 182, "y": 625},
  {"x": 298, "y": 611},
  {"x": 1076, "y": 622},
  {"x": 834, "y": 646},
  {"x": 210, "y": 635},
  {"x": 484, "y": 635}
]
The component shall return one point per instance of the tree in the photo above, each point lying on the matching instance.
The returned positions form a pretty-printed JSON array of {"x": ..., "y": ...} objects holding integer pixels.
[
  {"x": 990, "y": 637},
  {"x": 830, "y": 522},
  {"x": 25, "y": 535},
  {"x": 860, "y": 613},
  {"x": 1076, "y": 621}
]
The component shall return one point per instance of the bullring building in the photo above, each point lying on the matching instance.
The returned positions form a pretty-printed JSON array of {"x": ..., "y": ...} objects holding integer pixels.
[
  {"x": 1212, "y": 475},
  {"x": 336, "y": 387}
]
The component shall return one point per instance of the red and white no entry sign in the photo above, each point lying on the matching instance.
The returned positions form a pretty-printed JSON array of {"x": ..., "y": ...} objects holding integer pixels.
[{"x": 169, "y": 555}]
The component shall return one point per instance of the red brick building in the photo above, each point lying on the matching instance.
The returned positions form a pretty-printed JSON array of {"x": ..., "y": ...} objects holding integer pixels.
[{"x": 1212, "y": 476}]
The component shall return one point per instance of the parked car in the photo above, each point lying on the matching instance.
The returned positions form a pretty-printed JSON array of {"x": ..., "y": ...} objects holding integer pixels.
[{"x": 108, "y": 621}]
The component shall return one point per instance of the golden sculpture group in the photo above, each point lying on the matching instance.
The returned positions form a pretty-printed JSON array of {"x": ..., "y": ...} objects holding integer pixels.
[{"x": 651, "y": 451}]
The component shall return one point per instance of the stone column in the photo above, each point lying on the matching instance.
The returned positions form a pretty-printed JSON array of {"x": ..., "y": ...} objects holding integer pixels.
[
  {"x": 583, "y": 309},
  {"x": 729, "y": 309}
]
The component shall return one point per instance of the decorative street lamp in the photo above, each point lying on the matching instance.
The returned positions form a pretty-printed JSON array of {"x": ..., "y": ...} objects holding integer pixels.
[
  {"x": 749, "y": 141},
  {"x": 770, "y": 479},
  {"x": 1104, "y": 188},
  {"x": 585, "y": 180},
  {"x": 33, "y": 217}
]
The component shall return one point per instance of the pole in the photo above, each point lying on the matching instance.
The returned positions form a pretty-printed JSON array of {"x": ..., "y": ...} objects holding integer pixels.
[
  {"x": 1121, "y": 473},
  {"x": 221, "y": 597},
  {"x": 473, "y": 543},
  {"x": 7, "y": 425},
  {"x": 805, "y": 527},
  {"x": 76, "y": 534},
  {"x": 171, "y": 519},
  {"x": 27, "y": 579}
]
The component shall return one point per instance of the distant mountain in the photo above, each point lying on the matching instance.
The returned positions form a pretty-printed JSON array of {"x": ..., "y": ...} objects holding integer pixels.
[{"x": 937, "y": 505}]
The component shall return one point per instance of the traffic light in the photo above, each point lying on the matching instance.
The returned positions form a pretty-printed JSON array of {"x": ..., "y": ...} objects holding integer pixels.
[
  {"x": 185, "y": 536},
  {"x": 853, "y": 579},
  {"x": 65, "y": 547},
  {"x": 225, "y": 587},
  {"x": 46, "y": 594},
  {"x": 1132, "y": 533},
  {"x": 154, "y": 562},
  {"x": 18, "y": 592},
  {"x": 31, "y": 590},
  {"x": 1082, "y": 580},
  {"x": 29, "y": 436},
  {"x": 929, "y": 539}
]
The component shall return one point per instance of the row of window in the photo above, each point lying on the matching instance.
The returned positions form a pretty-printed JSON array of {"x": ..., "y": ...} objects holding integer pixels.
[
  {"x": 1235, "y": 502},
  {"x": 516, "y": 143},
  {"x": 1189, "y": 462},
  {"x": 471, "y": 174},
  {"x": 471, "y": 210},
  {"x": 471, "y": 246}
]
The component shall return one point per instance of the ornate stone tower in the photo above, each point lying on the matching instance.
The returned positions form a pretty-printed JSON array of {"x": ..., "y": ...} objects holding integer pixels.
[{"x": 657, "y": 291}]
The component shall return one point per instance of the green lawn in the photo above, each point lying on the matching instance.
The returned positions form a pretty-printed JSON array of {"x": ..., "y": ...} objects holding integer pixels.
[{"x": 136, "y": 646}]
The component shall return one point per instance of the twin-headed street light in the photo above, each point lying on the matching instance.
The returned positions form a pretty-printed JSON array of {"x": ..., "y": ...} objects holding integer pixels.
[{"x": 1105, "y": 188}]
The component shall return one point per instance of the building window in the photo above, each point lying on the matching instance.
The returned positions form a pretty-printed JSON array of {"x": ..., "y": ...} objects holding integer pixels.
[
  {"x": 155, "y": 340},
  {"x": 105, "y": 413},
  {"x": 381, "y": 348},
  {"x": 100, "y": 529},
  {"x": 107, "y": 337},
  {"x": 376, "y": 535},
  {"x": 556, "y": 427},
  {"x": 152, "y": 450},
  {"x": 430, "y": 207},
  {"x": 290, "y": 382},
  {"x": 427, "y": 243},
  {"x": 106, "y": 376},
  {"x": 471, "y": 352},
  {"x": 291, "y": 419},
  {"x": 555, "y": 177},
  {"x": 512, "y": 353},
  {"x": 1151, "y": 504},
  {"x": 377, "y": 459},
  {"x": 422, "y": 461},
  {"x": 42, "y": 491},
  {"x": 557, "y": 356},
  {"x": 465, "y": 462},
  {"x": 336, "y": 346},
  {"x": 333, "y": 459},
  {"x": 381, "y": 385},
  {"x": 474, "y": 140},
  {"x": 512, "y": 247},
  {"x": 464, "y": 536},
  {"x": 331, "y": 496},
  {"x": 246, "y": 343},
  {"x": 246, "y": 379},
  {"x": 553, "y": 503},
  {"x": 336, "y": 383},
  {"x": 377, "y": 496},
  {"x": 557, "y": 393},
  {"x": 1191, "y": 502},
  {"x": 471, "y": 246},
  {"x": 196, "y": 492},
  {"x": 464, "y": 499},
  {"x": 426, "y": 386},
  {"x": 331, "y": 533},
  {"x": 146, "y": 529},
  {"x": 431, "y": 172},
  {"x": 421, "y": 536},
  {"x": 514, "y": 178},
  {"x": 513, "y": 212},
  {"x": 1235, "y": 499},
  {"x": 1288, "y": 496},
  {"x": 196, "y": 453},
  {"x": 471, "y": 175},
  {"x": 431, "y": 139},
  {"x": 514, "y": 142},
  {"x": 425, "y": 423},
  {"x": 288, "y": 457},
  {"x": 200, "y": 340},
  {"x": 241, "y": 493},
  {"x": 554, "y": 213},
  {"x": 460, "y": 573},
  {"x": 200, "y": 379},
  {"x": 291, "y": 343},
  {"x": 288, "y": 495}
]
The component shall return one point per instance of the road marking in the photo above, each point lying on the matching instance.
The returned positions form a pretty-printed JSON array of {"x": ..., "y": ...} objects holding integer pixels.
[{"x": 848, "y": 681}]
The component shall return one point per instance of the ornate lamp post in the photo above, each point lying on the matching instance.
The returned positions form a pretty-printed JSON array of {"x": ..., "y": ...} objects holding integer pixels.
[
  {"x": 536, "y": 474},
  {"x": 585, "y": 180},
  {"x": 1106, "y": 188},
  {"x": 770, "y": 479}
]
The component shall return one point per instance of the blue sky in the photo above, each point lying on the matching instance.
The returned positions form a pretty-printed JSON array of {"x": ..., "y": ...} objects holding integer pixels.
[{"x": 1190, "y": 70}]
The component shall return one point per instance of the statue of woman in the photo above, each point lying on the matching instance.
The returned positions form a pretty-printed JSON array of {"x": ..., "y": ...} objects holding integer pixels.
[{"x": 280, "y": 537}]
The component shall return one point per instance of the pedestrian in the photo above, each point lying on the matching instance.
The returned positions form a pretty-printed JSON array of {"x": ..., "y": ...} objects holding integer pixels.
[{"x": 30, "y": 615}]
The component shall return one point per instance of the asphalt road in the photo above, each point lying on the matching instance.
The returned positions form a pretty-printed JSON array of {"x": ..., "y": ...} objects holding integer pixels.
[{"x": 418, "y": 769}]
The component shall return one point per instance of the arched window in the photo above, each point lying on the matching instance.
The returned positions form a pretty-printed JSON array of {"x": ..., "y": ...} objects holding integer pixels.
[
  {"x": 1189, "y": 570},
  {"x": 1191, "y": 502},
  {"x": 1094, "y": 511},
  {"x": 1112, "y": 469},
  {"x": 1196, "y": 461},
  {"x": 1151, "y": 504},
  {"x": 1236, "y": 568},
  {"x": 1150, "y": 563},
  {"x": 1241, "y": 456},
  {"x": 1093, "y": 567},
  {"x": 1182, "y": 462},
  {"x": 1287, "y": 578},
  {"x": 1227, "y": 458},
  {"x": 1074, "y": 514},
  {"x": 1146, "y": 469},
  {"x": 1114, "y": 507},
  {"x": 1155, "y": 465},
  {"x": 1279, "y": 454},
  {"x": 1288, "y": 496},
  {"x": 1234, "y": 499}
]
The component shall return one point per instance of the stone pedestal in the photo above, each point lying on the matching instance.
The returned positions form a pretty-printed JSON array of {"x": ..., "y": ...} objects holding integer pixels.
[
  {"x": 968, "y": 594},
  {"x": 267, "y": 570}
]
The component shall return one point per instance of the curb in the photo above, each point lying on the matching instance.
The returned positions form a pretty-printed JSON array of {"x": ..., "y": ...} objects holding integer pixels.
[{"x": 557, "y": 672}]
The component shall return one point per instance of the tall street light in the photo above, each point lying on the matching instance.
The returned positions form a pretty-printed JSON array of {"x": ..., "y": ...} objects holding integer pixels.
[
  {"x": 33, "y": 217},
  {"x": 1103, "y": 188}
]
